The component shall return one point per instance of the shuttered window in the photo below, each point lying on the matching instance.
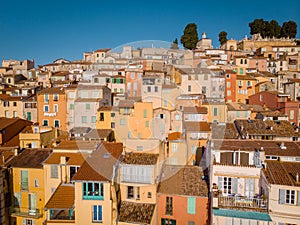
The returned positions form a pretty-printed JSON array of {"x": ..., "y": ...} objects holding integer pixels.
[
  {"x": 191, "y": 205},
  {"x": 24, "y": 180}
]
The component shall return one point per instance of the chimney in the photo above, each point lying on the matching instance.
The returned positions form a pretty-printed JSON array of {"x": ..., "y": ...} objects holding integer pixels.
[{"x": 282, "y": 146}]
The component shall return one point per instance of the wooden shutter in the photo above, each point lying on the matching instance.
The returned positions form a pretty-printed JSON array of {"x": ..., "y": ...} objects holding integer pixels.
[
  {"x": 244, "y": 159},
  {"x": 281, "y": 196}
]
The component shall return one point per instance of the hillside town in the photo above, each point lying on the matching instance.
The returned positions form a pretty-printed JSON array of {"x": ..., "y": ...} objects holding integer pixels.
[{"x": 154, "y": 136}]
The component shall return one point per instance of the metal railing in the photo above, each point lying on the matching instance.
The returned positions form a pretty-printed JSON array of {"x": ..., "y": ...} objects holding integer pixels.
[
  {"x": 251, "y": 203},
  {"x": 26, "y": 212}
]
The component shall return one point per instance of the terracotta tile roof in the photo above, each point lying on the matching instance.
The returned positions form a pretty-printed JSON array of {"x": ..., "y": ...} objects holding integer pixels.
[
  {"x": 99, "y": 166},
  {"x": 282, "y": 173},
  {"x": 183, "y": 180},
  {"x": 98, "y": 134},
  {"x": 72, "y": 158},
  {"x": 136, "y": 213},
  {"x": 7, "y": 154},
  {"x": 174, "y": 136},
  {"x": 194, "y": 110},
  {"x": 244, "y": 77},
  {"x": 126, "y": 103},
  {"x": 139, "y": 158},
  {"x": 62, "y": 198},
  {"x": 77, "y": 145},
  {"x": 53, "y": 90},
  {"x": 224, "y": 131},
  {"x": 267, "y": 127},
  {"x": 102, "y": 50},
  {"x": 87, "y": 99},
  {"x": 105, "y": 108},
  {"x": 197, "y": 126},
  {"x": 270, "y": 147},
  {"x": 31, "y": 158}
]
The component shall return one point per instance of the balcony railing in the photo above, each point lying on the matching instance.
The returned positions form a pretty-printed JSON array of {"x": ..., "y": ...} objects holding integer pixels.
[
  {"x": 255, "y": 203},
  {"x": 26, "y": 212}
]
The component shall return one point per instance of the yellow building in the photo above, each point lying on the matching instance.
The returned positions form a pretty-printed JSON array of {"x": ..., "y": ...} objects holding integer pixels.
[
  {"x": 217, "y": 111},
  {"x": 37, "y": 137},
  {"x": 244, "y": 88},
  {"x": 28, "y": 187},
  {"x": 105, "y": 118},
  {"x": 96, "y": 199},
  {"x": 11, "y": 106}
]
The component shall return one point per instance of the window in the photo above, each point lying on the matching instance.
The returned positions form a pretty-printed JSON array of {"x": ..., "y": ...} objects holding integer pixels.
[
  {"x": 6, "y": 104},
  {"x": 54, "y": 171},
  {"x": 92, "y": 190},
  {"x": 189, "y": 88},
  {"x": 228, "y": 84},
  {"x": 203, "y": 90},
  {"x": 46, "y": 108},
  {"x": 46, "y": 98},
  {"x": 149, "y": 195},
  {"x": 107, "y": 80},
  {"x": 149, "y": 88},
  {"x": 71, "y": 94},
  {"x": 84, "y": 119},
  {"x": 133, "y": 192},
  {"x": 101, "y": 117},
  {"x": 132, "y": 75},
  {"x": 191, "y": 205},
  {"x": 122, "y": 121},
  {"x": 24, "y": 180},
  {"x": 287, "y": 196},
  {"x": 73, "y": 170},
  {"x": 14, "y": 103},
  {"x": 228, "y": 185},
  {"x": 45, "y": 123},
  {"x": 56, "y": 123},
  {"x": 71, "y": 106},
  {"x": 174, "y": 147},
  {"x": 112, "y": 125},
  {"x": 87, "y": 106},
  {"x": 17, "y": 199},
  {"x": 228, "y": 93},
  {"x": 96, "y": 80},
  {"x": 168, "y": 222},
  {"x": 147, "y": 123},
  {"x": 55, "y": 108},
  {"x": 292, "y": 114},
  {"x": 28, "y": 222},
  {"x": 139, "y": 148},
  {"x": 156, "y": 89},
  {"x": 93, "y": 119},
  {"x": 15, "y": 114},
  {"x": 165, "y": 102},
  {"x": 55, "y": 97},
  {"x": 191, "y": 223},
  {"x": 215, "y": 111},
  {"x": 145, "y": 113},
  {"x": 36, "y": 183},
  {"x": 97, "y": 213},
  {"x": 177, "y": 117},
  {"x": 169, "y": 205}
]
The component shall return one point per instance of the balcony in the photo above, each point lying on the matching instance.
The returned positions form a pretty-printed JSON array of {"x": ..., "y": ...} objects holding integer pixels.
[
  {"x": 26, "y": 212},
  {"x": 242, "y": 202},
  {"x": 49, "y": 114}
]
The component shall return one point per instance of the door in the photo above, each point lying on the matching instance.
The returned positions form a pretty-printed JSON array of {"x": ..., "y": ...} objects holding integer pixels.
[{"x": 32, "y": 204}]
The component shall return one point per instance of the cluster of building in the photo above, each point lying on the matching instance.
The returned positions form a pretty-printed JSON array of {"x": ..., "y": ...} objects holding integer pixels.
[{"x": 153, "y": 136}]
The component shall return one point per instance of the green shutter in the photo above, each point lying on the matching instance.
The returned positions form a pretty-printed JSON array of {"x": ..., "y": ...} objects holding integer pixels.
[
  {"x": 191, "y": 205},
  {"x": 163, "y": 221},
  {"x": 24, "y": 180}
]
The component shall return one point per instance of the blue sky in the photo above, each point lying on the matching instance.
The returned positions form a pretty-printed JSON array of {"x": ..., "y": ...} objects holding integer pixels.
[{"x": 47, "y": 30}]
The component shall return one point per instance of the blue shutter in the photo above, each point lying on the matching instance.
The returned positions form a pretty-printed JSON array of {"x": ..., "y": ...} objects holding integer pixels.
[
  {"x": 235, "y": 185},
  {"x": 100, "y": 212},
  {"x": 281, "y": 196},
  {"x": 95, "y": 213},
  {"x": 220, "y": 180}
]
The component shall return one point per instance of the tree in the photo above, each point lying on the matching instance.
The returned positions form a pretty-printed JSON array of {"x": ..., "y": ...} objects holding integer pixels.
[
  {"x": 175, "y": 44},
  {"x": 189, "y": 38},
  {"x": 257, "y": 26},
  {"x": 289, "y": 29},
  {"x": 223, "y": 37},
  {"x": 274, "y": 29}
]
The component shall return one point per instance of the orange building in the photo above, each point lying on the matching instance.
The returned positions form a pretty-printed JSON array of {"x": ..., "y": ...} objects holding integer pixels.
[
  {"x": 52, "y": 108},
  {"x": 182, "y": 196}
]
